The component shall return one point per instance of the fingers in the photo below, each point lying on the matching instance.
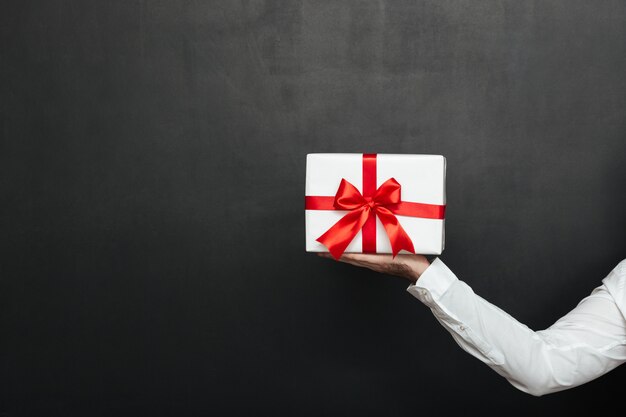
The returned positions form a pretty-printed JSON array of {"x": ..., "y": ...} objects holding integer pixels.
[
  {"x": 377, "y": 258},
  {"x": 403, "y": 265},
  {"x": 348, "y": 258},
  {"x": 368, "y": 257},
  {"x": 375, "y": 262}
]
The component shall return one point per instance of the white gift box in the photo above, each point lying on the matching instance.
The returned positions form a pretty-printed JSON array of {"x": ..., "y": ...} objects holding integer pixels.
[{"x": 422, "y": 180}]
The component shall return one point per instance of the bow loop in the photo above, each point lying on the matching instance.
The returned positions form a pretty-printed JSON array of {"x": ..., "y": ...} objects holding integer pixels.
[
  {"x": 388, "y": 193},
  {"x": 348, "y": 197}
]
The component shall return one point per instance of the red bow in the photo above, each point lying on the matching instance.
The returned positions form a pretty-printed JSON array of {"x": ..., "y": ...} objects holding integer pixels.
[{"x": 381, "y": 204}]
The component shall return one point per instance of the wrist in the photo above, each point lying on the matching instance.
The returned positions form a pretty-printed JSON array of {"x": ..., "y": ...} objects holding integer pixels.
[{"x": 418, "y": 266}]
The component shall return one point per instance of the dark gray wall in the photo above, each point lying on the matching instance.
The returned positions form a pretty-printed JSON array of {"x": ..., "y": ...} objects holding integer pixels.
[{"x": 152, "y": 177}]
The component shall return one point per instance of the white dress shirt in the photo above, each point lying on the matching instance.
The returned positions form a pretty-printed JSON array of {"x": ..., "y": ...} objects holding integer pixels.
[{"x": 586, "y": 343}]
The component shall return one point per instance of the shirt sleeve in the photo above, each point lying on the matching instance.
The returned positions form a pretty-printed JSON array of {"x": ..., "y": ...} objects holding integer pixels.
[{"x": 586, "y": 343}]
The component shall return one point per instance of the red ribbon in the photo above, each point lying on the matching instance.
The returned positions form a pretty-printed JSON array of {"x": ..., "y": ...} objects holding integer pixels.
[{"x": 384, "y": 202}]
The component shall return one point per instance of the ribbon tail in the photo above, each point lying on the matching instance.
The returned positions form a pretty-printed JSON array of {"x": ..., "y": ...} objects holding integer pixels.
[
  {"x": 339, "y": 236},
  {"x": 398, "y": 237}
]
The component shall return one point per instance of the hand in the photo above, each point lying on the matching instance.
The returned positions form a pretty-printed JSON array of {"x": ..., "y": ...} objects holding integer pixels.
[{"x": 405, "y": 266}]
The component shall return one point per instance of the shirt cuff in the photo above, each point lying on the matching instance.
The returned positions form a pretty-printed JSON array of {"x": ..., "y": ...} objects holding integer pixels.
[{"x": 433, "y": 283}]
